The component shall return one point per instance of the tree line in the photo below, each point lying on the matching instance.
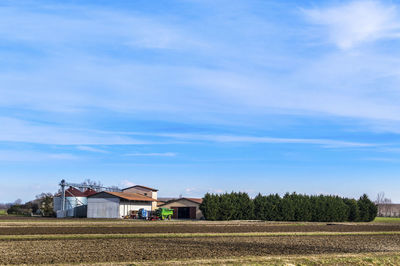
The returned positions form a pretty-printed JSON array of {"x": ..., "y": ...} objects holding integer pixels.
[
  {"x": 43, "y": 205},
  {"x": 290, "y": 207}
]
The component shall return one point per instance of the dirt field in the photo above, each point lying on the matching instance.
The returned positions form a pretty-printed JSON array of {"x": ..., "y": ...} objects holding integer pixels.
[
  {"x": 191, "y": 228},
  {"x": 115, "y": 250},
  {"x": 185, "y": 242}
]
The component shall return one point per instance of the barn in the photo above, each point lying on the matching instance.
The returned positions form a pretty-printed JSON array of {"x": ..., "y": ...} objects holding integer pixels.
[
  {"x": 185, "y": 208},
  {"x": 108, "y": 204}
]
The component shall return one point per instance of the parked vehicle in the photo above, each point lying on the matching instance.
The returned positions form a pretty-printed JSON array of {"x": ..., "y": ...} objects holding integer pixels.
[
  {"x": 164, "y": 213},
  {"x": 143, "y": 214}
]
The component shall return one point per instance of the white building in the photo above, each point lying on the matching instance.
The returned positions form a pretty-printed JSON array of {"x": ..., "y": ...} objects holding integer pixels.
[
  {"x": 75, "y": 202},
  {"x": 146, "y": 191},
  {"x": 117, "y": 204}
]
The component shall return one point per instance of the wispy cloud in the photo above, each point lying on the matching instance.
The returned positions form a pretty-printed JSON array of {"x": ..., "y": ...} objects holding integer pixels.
[
  {"x": 382, "y": 159},
  {"x": 47, "y": 26},
  {"x": 153, "y": 154},
  {"x": 91, "y": 149},
  {"x": 126, "y": 183},
  {"x": 357, "y": 22},
  {"x": 327, "y": 143},
  {"x": 16, "y": 130},
  {"x": 33, "y": 156}
]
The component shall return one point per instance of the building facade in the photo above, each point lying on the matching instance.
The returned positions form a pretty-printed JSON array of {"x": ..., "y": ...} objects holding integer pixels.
[
  {"x": 388, "y": 210},
  {"x": 117, "y": 204},
  {"x": 185, "y": 208},
  {"x": 145, "y": 191}
]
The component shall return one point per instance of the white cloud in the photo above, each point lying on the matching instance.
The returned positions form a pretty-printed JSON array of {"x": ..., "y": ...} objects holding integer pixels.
[
  {"x": 327, "y": 143},
  {"x": 216, "y": 190},
  {"x": 126, "y": 183},
  {"x": 190, "y": 190},
  {"x": 50, "y": 26},
  {"x": 91, "y": 149},
  {"x": 209, "y": 91},
  {"x": 33, "y": 156},
  {"x": 154, "y": 154},
  {"x": 356, "y": 22},
  {"x": 16, "y": 130}
]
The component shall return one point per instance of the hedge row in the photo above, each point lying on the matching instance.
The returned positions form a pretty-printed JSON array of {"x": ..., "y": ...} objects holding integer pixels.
[{"x": 290, "y": 207}]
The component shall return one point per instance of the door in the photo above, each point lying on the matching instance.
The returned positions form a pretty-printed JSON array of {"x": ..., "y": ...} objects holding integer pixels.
[
  {"x": 175, "y": 215},
  {"x": 184, "y": 213},
  {"x": 192, "y": 213}
]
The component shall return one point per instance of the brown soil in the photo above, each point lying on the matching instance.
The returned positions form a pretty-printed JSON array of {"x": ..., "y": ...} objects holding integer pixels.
[
  {"x": 200, "y": 228},
  {"x": 114, "y": 250}
]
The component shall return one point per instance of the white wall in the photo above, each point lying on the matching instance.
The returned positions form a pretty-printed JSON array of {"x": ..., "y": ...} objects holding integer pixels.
[
  {"x": 103, "y": 208},
  {"x": 125, "y": 207},
  {"x": 70, "y": 202}
]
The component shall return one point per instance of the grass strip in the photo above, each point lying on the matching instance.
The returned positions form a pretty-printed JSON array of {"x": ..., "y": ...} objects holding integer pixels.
[
  {"x": 322, "y": 259},
  {"x": 387, "y": 220},
  {"x": 184, "y": 235},
  {"x": 380, "y": 258}
]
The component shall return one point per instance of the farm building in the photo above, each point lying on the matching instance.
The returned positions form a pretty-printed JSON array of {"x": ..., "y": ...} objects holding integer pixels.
[
  {"x": 145, "y": 191},
  {"x": 75, "y": 202},
  {"x": 388, "y": 210},
  {"x": 117, "y": 204},
  {"x": 184, "y": 208}
]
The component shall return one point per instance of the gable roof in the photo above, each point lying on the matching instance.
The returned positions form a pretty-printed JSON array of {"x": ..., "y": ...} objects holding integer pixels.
[
  {"x": 127, "y": 196},
  {"x": 198, "y": 200},
  {"x": 195, "y": 200},
  {"x": 139, "y": 186},
  {"x": 74, "y": 192},
  {"x": 89, "y": 192}
]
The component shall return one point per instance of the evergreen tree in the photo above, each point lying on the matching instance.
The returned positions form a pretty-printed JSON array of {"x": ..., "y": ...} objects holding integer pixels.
[
  {"x": 226, "y": 208},
  {"x": 292, "y": 207},
  {"x": 367, "y": 209},
  {"x": 209, "y": 207},
  {"x": 353, "y": 213}
]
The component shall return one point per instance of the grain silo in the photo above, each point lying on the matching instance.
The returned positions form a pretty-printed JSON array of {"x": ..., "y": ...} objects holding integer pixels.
[{"x": 75, "y": 204}]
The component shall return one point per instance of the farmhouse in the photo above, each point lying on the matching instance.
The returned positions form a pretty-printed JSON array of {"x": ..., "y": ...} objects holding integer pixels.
[
  {"x": 145, "y": 191},
  {"x": 184, "y": 208}
]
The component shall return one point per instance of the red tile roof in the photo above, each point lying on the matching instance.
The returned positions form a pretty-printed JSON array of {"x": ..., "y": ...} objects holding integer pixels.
[
  {"x": 195, "y": 200},
  {"x": 130, "y": 196},
  {"x": 74, "y": 192},
  {"x": 89, "y": 192},
  {"x": 198, "y": 200}
]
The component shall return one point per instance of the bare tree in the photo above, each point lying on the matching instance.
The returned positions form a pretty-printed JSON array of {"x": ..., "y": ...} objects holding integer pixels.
[
  {"x": 115, "y": 188},
  {"x": 380, "y": 197},
  {"x": 384, "y": 204},
  {"x": 18, "y": 202},
  {"x": 92, "y": 183}
]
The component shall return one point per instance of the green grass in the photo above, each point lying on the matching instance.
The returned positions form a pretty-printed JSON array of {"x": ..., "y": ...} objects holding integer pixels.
[
  {"x": 184, "y": 235},
  {"x": 387, "y": 220},
  {"x": 3, "y": 212}
]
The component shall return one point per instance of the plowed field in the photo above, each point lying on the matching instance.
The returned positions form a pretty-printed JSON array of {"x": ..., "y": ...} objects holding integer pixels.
[
  {"x": 110, "y": 250},
  {"x": 84, "y": 241},
  {"x": 190, "y": 228}
]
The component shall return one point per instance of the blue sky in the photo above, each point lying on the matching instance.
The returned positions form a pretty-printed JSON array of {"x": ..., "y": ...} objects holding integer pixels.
[{"x": 201, "y": 96}]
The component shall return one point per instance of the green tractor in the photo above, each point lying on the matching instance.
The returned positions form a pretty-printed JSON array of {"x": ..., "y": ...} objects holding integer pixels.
[{"x": 164, "y": 213}]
